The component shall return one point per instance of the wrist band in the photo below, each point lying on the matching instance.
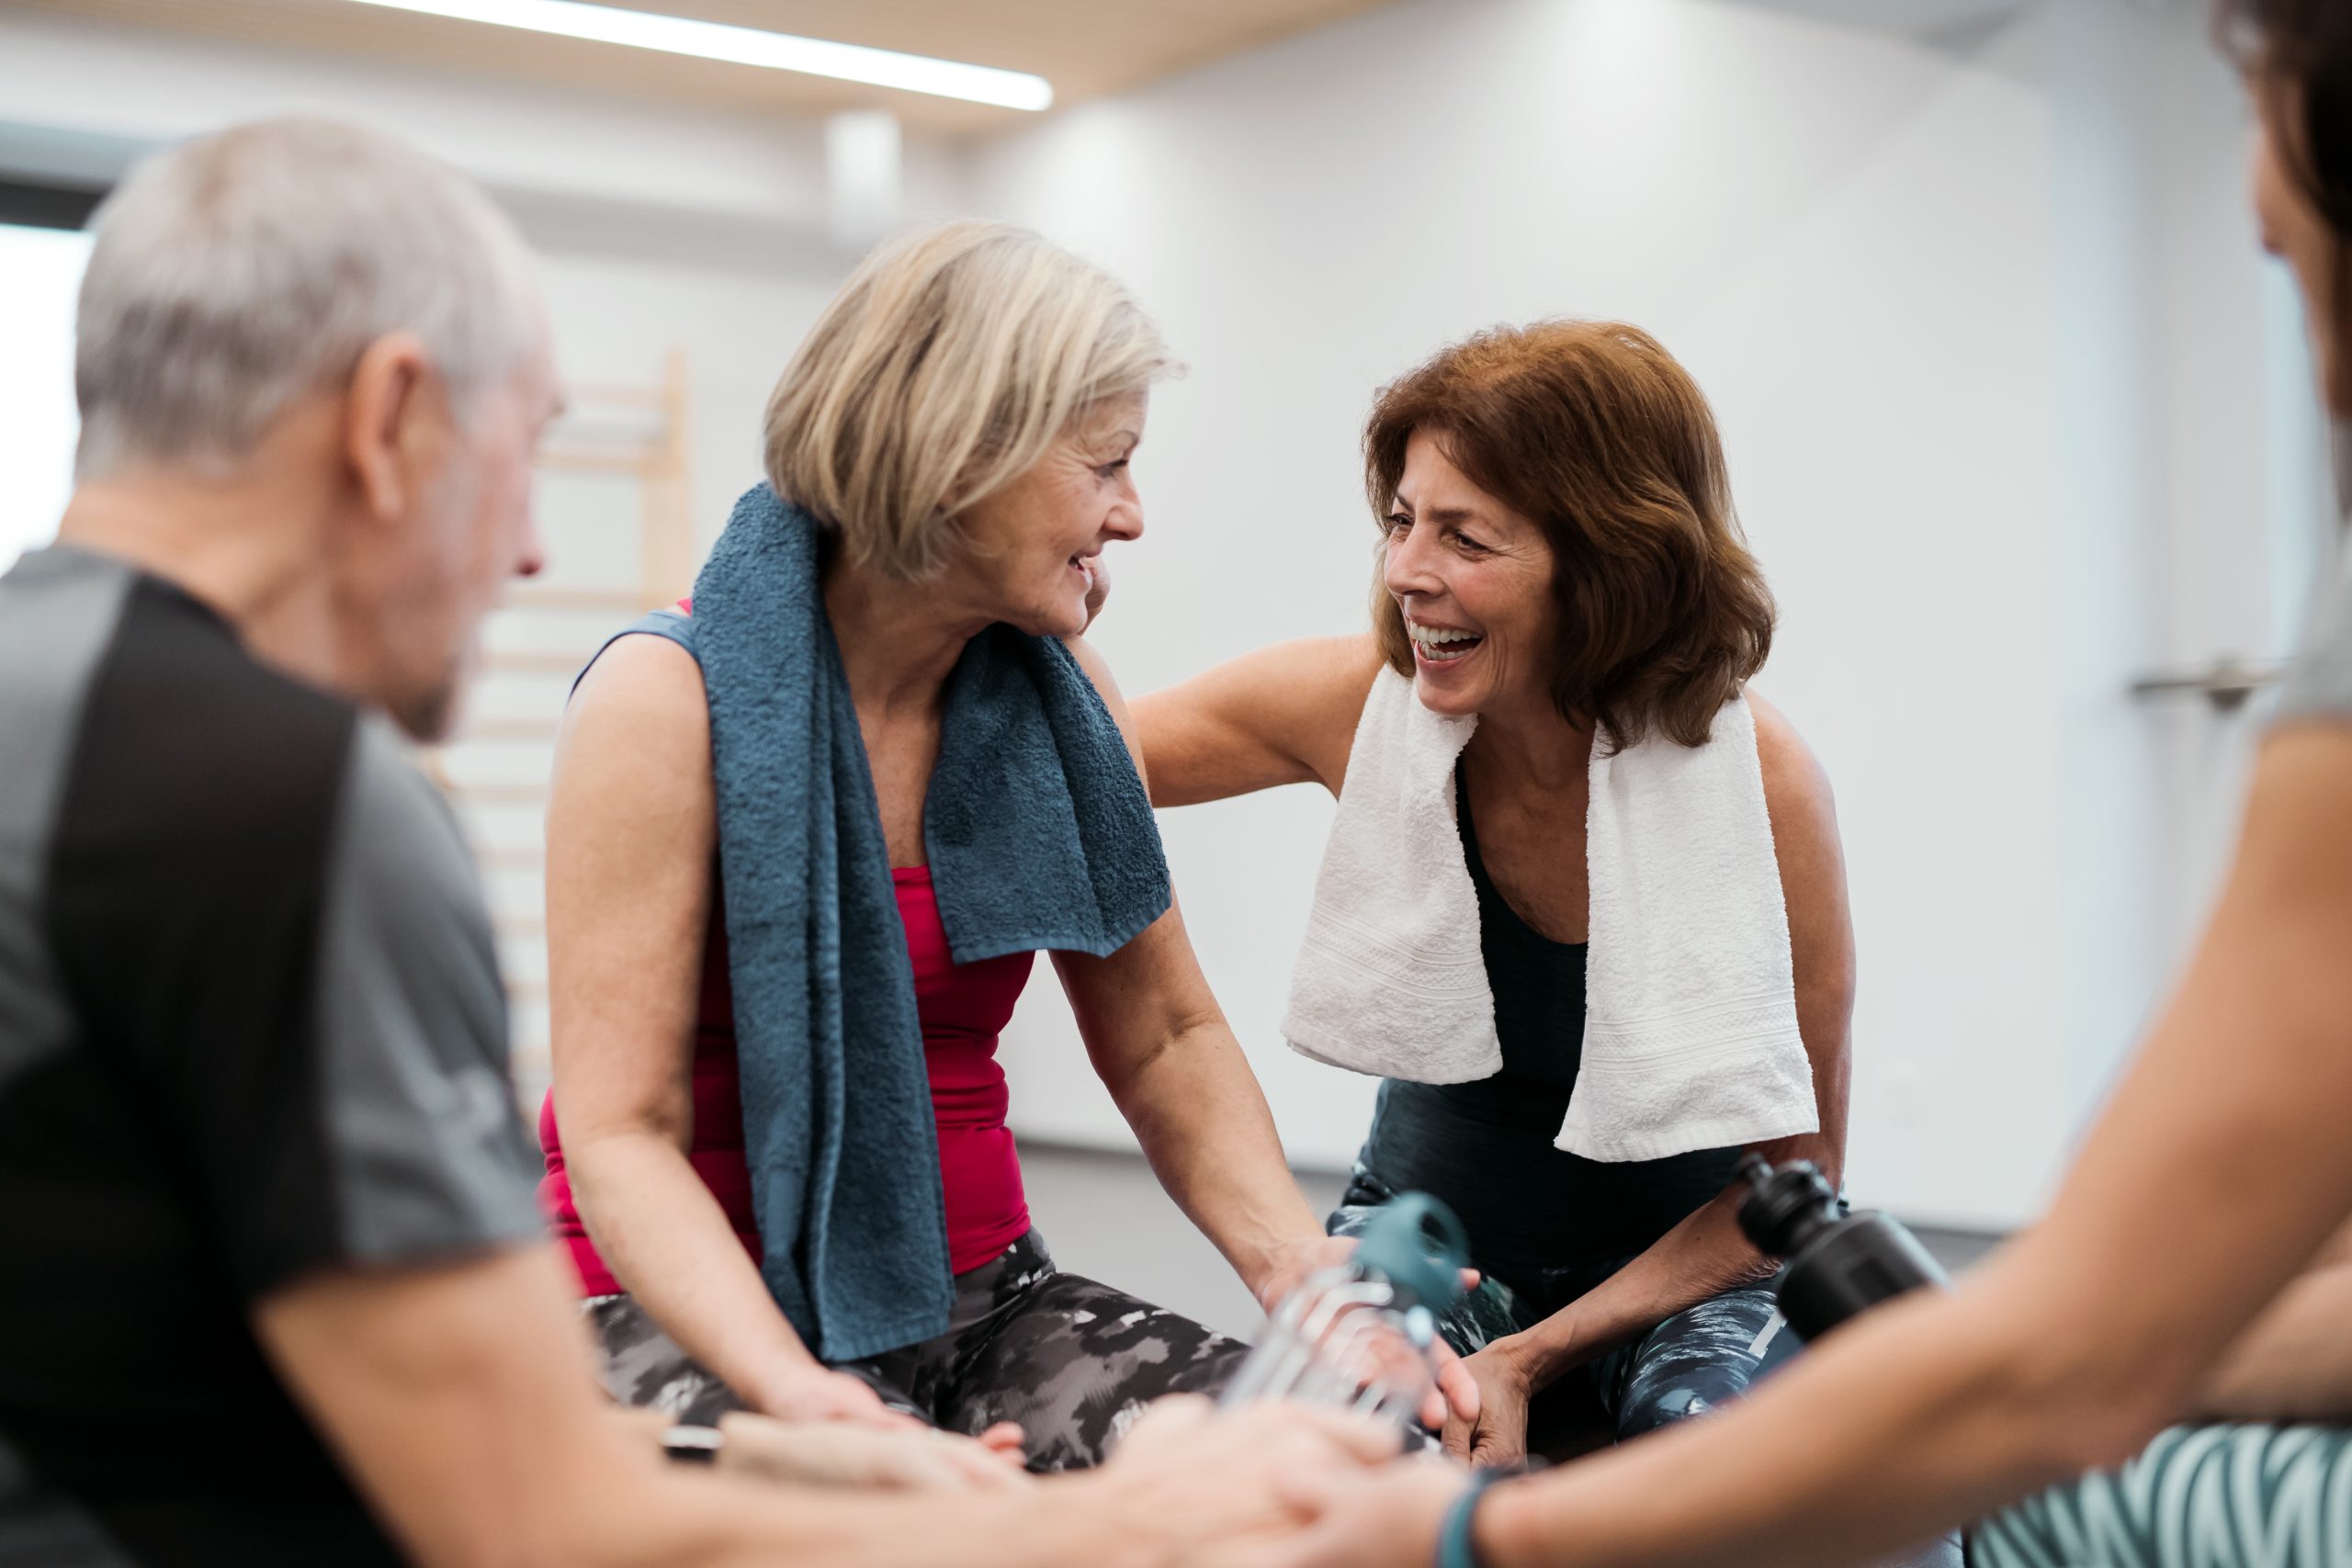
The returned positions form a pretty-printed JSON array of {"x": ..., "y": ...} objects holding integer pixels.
[
  {"x": 1454, "y": 1548},
  {"x": 692, "y": 1445}
]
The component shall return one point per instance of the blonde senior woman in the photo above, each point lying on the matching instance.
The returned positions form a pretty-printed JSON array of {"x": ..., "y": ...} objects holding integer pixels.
[{"x": 806, "y": 836}]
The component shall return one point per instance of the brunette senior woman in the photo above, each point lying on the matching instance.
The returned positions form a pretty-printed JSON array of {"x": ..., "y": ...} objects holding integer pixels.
[
  {"x": 2185, "y": 1269},
  {"x": 806, "y": 834},
  {"x": 1583, "y": 908}
]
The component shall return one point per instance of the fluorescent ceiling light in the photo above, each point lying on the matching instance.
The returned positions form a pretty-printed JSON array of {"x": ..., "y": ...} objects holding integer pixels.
[{"x": 748, "y": 46}]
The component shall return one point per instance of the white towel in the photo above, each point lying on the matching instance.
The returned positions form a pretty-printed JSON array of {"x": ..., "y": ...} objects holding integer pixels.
[
  {"x": 1391, "y": 981},
  {"x": 1690, "y": 1029}
]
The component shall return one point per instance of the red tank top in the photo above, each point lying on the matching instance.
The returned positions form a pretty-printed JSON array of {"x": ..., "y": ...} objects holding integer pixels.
[{"x": 964, "y": 1009}]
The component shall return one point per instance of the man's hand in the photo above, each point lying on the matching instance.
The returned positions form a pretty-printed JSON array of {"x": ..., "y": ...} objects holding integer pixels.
[
  {"x": 1455, "y": 1398},
  {"x": 1191, "y": 1481},
  {"x": 1495, "y": 1433}
]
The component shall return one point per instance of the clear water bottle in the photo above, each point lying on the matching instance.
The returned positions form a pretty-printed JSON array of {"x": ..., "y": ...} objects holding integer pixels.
[
  {"x": 1839, "y": 1264},
  {"x": 1362, "y": 1336}
]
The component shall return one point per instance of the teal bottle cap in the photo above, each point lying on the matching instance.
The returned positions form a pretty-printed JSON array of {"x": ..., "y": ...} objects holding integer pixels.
[{"x": 1419, "y": 1248}]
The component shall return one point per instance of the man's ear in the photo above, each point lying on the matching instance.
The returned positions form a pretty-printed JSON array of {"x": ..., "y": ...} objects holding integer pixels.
[{"x": 388, "y": 391}]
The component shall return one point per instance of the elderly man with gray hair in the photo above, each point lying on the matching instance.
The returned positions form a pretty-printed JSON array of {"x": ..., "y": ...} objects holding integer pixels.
[{"x": 272, "y": 1282}]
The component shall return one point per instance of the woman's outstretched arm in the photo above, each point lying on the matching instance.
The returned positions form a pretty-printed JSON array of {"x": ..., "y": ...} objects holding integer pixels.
[
  {"x": 2295, "y": 1362},
  {"x": 1282, "y": 715}
]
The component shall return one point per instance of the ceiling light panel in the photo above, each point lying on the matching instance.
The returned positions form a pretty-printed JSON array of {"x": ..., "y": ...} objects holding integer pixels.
[{"x": 747, "y": 46}]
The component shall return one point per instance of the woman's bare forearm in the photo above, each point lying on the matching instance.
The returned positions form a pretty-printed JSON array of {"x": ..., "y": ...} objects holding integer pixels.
[
  {"x": 671, "y": 1246},
  {"x": 1197, "y": 1110},
  {"x": 1838, "y": 1460},
  {"x": 2295, "y": 1362},
  {"x": 2071, "y": 1347},
  {"x": 1697, "y": 1260},
  {"x": 1701, "y": 1257}
]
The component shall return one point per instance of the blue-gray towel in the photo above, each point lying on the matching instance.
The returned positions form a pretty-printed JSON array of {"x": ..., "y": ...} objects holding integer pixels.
[{"x": 1039, "y": 834}]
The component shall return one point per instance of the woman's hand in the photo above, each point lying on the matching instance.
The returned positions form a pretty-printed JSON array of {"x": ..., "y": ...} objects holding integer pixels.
[
  {"x": 1291, "y": 1264},
  {"x": 1455, "y": 1398},
  {"x": 814, "y": 1396},
  {"x": 908, "y": 1458},
  {"x": 813, "y": 1392},
  {"x": 1495, "y": 1432}
]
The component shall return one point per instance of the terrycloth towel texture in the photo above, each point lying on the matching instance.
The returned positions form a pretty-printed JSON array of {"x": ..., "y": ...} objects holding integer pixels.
[
  {"x": 1691, "y": 1027},
  {"x": 1690, "y": 1034},
  {"x": 1391, "y": 981},
  {"x": 1039, "y": 834}
]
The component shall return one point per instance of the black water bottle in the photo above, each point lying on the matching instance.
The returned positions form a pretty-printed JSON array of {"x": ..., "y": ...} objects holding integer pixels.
[{"x": 1837, "y": 1264}]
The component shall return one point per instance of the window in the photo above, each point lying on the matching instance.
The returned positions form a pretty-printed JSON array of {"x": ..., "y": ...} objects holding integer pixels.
[{"x": 40, "y": 271}]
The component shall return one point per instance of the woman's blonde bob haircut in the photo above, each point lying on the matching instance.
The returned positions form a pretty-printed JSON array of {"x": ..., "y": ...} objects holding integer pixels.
[{"x": 945, "y": 368}]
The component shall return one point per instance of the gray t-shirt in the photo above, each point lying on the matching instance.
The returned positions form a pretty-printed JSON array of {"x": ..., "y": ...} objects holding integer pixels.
[{"x": 251, "y": 1028}]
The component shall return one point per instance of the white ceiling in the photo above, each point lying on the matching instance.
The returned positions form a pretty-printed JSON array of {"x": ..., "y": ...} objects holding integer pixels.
[{"x": 1085, "y": 48}]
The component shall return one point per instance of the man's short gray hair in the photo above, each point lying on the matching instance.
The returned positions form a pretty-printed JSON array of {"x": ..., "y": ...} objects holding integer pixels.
[{"x": 238, "y": 273}]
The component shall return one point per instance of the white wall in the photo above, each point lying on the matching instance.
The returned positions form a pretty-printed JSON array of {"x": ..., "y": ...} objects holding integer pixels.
[
  {"x": 657, "y": 231},
  {"x": 658, "y": 228},
  {"x": 1908, "y": 271},
  {"x": 1972, "y": 298}
]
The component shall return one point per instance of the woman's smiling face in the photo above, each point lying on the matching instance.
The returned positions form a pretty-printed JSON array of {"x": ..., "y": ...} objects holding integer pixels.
[
  {"x": 1035, "y": 542},
  {"x": 1473, "y": 580}
]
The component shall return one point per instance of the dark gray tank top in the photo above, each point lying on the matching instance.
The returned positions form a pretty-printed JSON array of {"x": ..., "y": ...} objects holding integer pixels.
[{"x": 1487, "y": 1148}]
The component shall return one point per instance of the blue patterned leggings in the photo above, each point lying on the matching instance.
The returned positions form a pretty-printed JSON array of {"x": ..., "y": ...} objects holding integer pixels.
[{"x": 1701, "y": 1357}]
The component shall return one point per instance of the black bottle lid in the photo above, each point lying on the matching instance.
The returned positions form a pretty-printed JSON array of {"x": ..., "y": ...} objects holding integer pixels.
[{"x": 1785, "y": 1208}]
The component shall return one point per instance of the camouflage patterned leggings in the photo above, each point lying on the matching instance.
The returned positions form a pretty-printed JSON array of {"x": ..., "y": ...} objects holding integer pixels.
[
  {"x": 1072, "y": 1361},
  {"x": 1701, "y": 1357}
]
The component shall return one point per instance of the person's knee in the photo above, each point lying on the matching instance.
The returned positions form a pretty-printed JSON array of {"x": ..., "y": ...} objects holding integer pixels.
[{"x": 1702, "y": 1357}]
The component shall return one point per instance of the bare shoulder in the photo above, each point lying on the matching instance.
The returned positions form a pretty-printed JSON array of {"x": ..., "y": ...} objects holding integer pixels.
[
  {"x": 1337, "y": 675},
  {"x": 1795, "y": 783},
  {"x": 1098, "y": 669},
  {"x": 643, "y": 675},
  {"x": 640, "y": 707}
]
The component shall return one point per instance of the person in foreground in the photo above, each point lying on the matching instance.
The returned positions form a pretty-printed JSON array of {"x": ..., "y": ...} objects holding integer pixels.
[
  {"x": 272, "y": 1285},
  {"x": 806, "y": 836},
  {"x": 1583, "y": 907},
  {"x": 2179, "y": 1273}
]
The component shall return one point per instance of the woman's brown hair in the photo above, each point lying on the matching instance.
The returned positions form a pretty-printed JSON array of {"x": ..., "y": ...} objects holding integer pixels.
[
  {"x": 2302, "y": 50},
  {"x": 1591, "y": 430}
]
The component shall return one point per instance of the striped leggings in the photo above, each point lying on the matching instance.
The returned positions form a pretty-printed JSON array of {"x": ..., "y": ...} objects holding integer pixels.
[{"x": 2197, "y": 1497}]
